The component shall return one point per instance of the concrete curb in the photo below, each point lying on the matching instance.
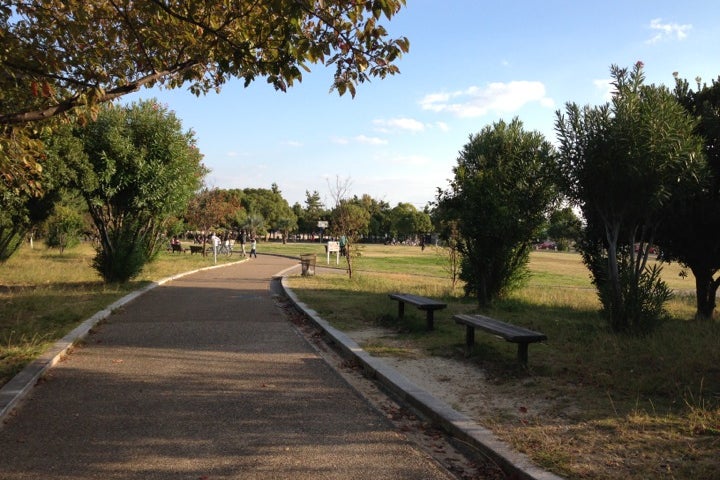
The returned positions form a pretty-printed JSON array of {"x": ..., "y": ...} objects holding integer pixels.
[
  {"x": 455, "y": 423},
  {"x": 14, "y": 391}
]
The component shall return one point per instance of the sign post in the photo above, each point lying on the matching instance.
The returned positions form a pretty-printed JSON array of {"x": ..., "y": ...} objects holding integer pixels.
[{"x": 333, "y": 247}]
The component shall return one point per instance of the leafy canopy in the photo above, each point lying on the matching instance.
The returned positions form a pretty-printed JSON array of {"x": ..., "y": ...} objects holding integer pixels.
[
  {"x": 502, "y": 189},
  {"x": 139, "y": 170},
  {"x": 58, "y": 57}
]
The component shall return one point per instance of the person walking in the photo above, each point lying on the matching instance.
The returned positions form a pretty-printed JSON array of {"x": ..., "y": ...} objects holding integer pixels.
[
  {"x": 215, "y": 240},
  {"x": 241, "y": 239},
  {"x": 253, "y": 247}
]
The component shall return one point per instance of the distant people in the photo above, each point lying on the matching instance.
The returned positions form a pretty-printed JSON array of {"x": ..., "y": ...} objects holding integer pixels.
[
  {"x": 241, "y": 239},
  {"x": 343, "y": 245},
  {"x": 253, "y": 247},
  {"x": 215, "y": 242}
]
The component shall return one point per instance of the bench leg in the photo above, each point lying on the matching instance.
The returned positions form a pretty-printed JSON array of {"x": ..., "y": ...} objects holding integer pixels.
[
  {"x": 401, "y": 310},
  {"x": 523, "y": 353},
  {"x": 430, "y": 319},
  {"x": 469, "y": 339}
]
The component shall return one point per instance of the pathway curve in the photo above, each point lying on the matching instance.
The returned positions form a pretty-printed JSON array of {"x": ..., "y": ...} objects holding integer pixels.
[{"x": 202, "y": 378}]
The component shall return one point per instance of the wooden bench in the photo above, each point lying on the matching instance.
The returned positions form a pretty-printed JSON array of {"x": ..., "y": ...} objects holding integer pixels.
[
  {"x": 522, "y": 336},
  {"x": 427, "y": 304},
  {"x": 196, "y": 249}
]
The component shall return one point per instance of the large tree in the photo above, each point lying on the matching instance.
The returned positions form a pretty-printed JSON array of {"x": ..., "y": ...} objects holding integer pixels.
[
  {"x": 62, "y": 56},
  {"x": 500, "y": 194},
  {"x": 621, "y": 163},
  {"x": 138, "y": 170},
  {"x": 271, "y": 206},
  {"x": 408, "y": 222},
  {"x": 213, "y": 209},
  {"x": 564, "y": 227},
  {"x": 691, "y": 232}
]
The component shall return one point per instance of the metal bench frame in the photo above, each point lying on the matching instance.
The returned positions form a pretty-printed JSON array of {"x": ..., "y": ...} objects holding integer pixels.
[{"x": 423, "y": 303}]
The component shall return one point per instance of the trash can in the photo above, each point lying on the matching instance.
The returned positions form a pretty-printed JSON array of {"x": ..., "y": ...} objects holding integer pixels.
[{"x": 307, "y": 262}]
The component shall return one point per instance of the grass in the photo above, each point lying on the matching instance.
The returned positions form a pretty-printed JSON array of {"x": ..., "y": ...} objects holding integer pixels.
[{"x": 631, "y": 408}]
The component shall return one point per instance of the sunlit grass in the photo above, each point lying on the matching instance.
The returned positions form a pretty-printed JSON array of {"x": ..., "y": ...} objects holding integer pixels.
[
  {"x": 638, "y": 398},
  {"x": 635, "y": 398}
]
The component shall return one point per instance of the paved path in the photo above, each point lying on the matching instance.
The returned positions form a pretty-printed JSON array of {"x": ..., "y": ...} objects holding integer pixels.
[{"x": 202, "y": 378}]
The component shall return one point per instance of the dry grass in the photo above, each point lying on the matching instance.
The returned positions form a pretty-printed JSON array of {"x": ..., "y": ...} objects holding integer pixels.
[
  {"x": 613, "y": 407},
  {"x": 624, "y": 408}
]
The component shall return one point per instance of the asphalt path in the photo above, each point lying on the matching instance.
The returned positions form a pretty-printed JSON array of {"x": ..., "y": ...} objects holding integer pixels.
[{"x": 203, "y": 378}]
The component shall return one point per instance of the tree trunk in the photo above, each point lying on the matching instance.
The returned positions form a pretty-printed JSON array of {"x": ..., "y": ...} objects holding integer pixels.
[
  {"x": 706, "y": 292},
  {"x": 348, "y": 258},
  {"x": 617, "y": 310}
]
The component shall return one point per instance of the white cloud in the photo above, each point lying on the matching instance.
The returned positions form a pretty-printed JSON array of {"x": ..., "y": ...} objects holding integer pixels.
[
  {"x": 495, "y": 97},
  {"x": 370, "y": 140},
  {"x": 605, "y": 88},
  {"x": 395, "y": 124},
  {"x": 442, "y": 126},
  {"x": 408, "y": 160},
  {"x": 667, "y": 31},
  {"x": 340, "y": 140},
  {"x": 293, "y": 143},
  {"x": 364, "y": 139}
]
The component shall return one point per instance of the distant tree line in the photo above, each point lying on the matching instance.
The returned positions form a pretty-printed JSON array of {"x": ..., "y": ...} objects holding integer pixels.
[{"x": 132, "y": 178}]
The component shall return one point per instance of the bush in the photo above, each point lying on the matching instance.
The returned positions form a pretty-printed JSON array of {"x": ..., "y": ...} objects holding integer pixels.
[
  {"x": 127, "y": 257},
  {"x": 63, "y": 228}
]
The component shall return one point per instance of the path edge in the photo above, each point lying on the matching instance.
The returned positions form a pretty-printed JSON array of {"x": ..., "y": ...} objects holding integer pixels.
[
  {"x": 15, "y": 390},
  {"x": 515, "y": 464}
]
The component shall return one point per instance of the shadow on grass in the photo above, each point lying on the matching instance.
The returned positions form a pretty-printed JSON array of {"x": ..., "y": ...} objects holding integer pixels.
[{"x": 658, "y": 370}]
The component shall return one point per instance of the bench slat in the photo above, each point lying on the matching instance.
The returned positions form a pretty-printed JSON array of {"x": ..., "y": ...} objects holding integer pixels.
[
  {"x": 420, "y": 302},
  {"x": 511, "y": 333}
]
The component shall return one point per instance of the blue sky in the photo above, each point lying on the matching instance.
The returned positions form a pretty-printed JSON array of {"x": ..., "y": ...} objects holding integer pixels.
[{"x": 471, "y": 63}]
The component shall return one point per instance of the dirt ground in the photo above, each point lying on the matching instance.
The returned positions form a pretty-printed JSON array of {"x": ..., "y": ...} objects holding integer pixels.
[{"x": 465, "y": 387}]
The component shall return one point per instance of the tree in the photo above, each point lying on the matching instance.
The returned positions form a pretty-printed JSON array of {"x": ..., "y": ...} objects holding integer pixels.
[
  {"x": 60, "y": 57},
  {"x": 213, "y": 209},
  {"x": 690, "y": 233},
  {"x": 351, "y": 221},
  {"x": 348, "y": 219},
  {"x": 271, "y": 207},
  {"x": 407, "y": 221},
  {"x": 24, "y": 208},
  {"x": 139, "y": 169},
  {"x": 564, "y": 227},
  {"x": 379, "y": 211},
  {"x": 450, "y": 251},
  {"x": 314, "y": 210},
  {"x": 621, "y": 163},
  {"x": 501, "y": 191},
  {"x": 64, "y": 227}
]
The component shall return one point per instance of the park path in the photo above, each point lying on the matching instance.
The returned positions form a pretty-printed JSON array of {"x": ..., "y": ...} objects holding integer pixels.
[{"x": 202, "y": 378}]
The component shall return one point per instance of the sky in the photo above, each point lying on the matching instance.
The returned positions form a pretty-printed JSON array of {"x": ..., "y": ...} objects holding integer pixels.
[{"x": 471, "y": 63}]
